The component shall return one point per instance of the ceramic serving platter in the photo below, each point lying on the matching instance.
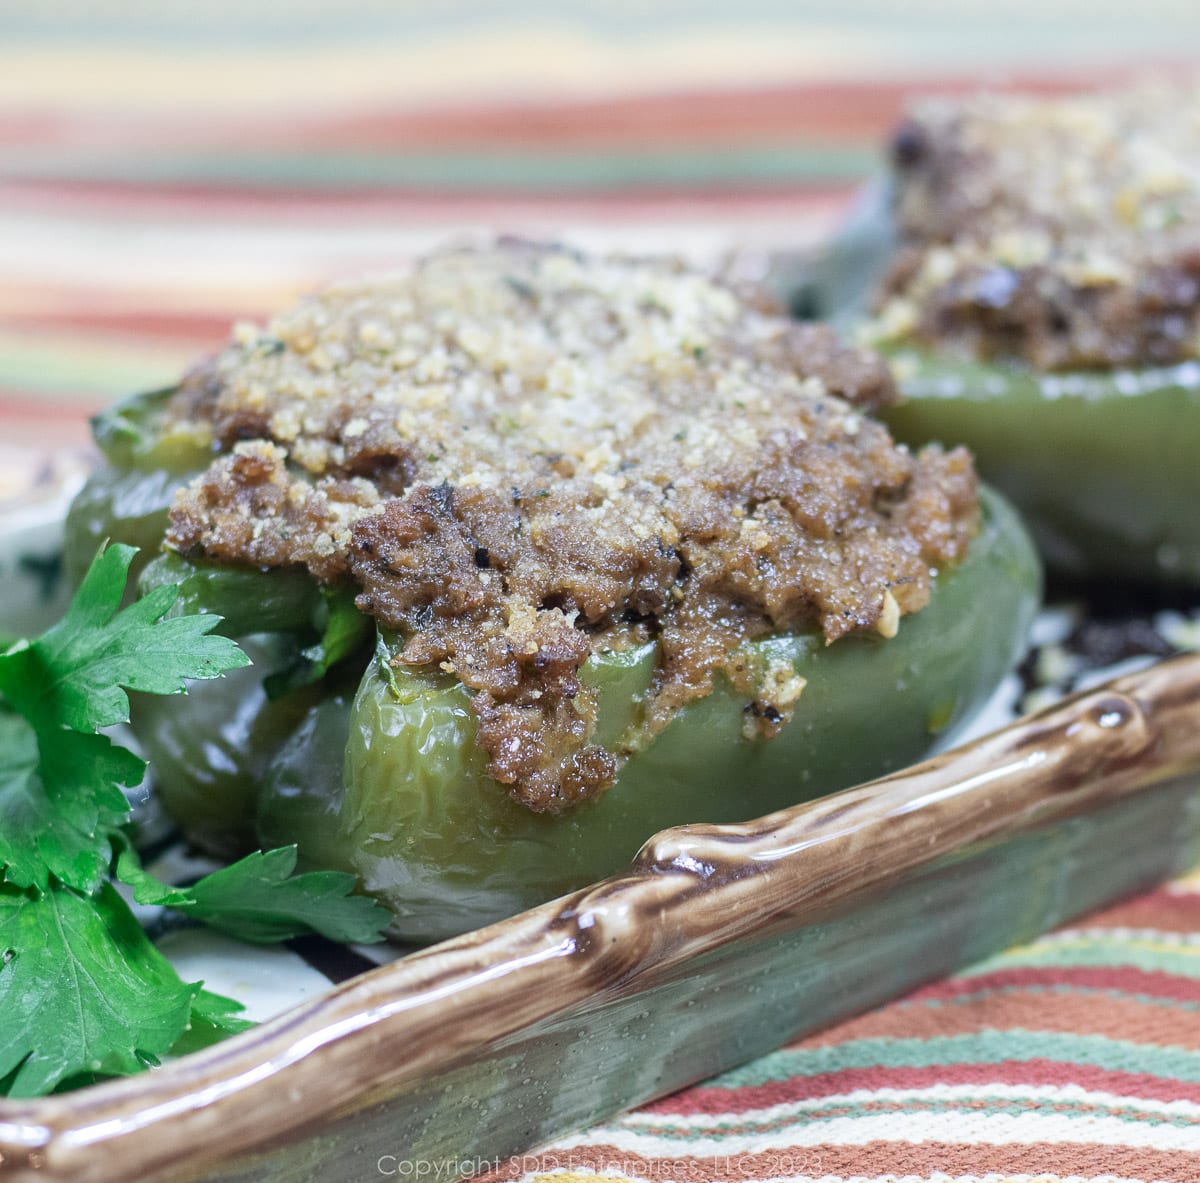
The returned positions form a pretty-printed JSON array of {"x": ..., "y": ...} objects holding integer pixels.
[{"x": 718, "y": 943}]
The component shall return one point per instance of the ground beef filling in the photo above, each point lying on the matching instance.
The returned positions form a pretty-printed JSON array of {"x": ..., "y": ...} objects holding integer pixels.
[
  {"x": 522, "y": 457},
  {"x": 1064, "y": 233}
]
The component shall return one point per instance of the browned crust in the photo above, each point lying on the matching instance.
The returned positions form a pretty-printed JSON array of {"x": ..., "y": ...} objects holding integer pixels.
[{"x": 1061, "y": 232}]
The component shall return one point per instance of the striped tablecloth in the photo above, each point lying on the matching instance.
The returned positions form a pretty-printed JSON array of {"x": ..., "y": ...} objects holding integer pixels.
[
  {"x": 168, "y": 168},
  {"x": 1074, "y": 1058}
]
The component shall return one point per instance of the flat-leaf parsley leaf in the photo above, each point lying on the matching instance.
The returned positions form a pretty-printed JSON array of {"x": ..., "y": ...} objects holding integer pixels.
[
  {"x": 60, "y": 781},
  {"x": 259, "y": 900},
  {"x": 84, "y": 994}
]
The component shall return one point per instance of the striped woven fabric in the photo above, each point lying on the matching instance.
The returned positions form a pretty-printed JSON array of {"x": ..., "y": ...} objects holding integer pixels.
[
  {"x": 1074, "y": 1058},
  {"x": 166, "y": 169}
]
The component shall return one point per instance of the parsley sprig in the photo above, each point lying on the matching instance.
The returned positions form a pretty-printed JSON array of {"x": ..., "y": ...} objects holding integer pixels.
[{"x": 84, "y": 994}]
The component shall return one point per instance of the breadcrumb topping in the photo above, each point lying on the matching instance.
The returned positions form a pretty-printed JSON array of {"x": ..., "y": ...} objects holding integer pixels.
[
  {"x": 1063, "y": 232},
  {"x": 523, "y": 456}
]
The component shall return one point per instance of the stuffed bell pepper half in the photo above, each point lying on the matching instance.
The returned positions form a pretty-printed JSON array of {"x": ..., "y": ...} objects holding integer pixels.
[
  {"x": 536, "y": 554},
  {"x": 1033, "y": 271}
]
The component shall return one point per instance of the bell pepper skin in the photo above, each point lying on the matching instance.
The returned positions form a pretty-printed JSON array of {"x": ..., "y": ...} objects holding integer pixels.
[
  {"x": 447, "y": 849},
  {"x": 1102, "y": 465},
  {"x": 248, "y": 600},
  {"x": 211, "y": 750},
  {"x": 127, "y": 498},
  {"x": 301, "y": 797}
]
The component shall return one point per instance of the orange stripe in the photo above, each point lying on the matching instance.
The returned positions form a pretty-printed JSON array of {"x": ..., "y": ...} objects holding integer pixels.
[
  {"x": 1114, "y": 1018},
  {"x": 45, "y": 435},
  {"x": 18, "y": 405},
  {"x": 823, "y": 111},
  {"x": 1163, "y": 911},
  {"x": 716, "y": 1099},
  {"x": 1114, "y": 978},
  {"x": 730, "y": 194},
  {"x": 186, "y": 328}
]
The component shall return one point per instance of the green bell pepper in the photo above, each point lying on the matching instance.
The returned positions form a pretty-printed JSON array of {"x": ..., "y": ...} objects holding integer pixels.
[
  {"x": 210, "y": 751},
  {"x": 1101, "y": 464},
  {"x": 1104, "y": 466},
  {"x": 127, "y": 498},
  {"x": 247, "y": 600},
  {"x": 391, "y": 785},
  {"x": 375, "y": 770},
  {"x": 211, "y": 754}
]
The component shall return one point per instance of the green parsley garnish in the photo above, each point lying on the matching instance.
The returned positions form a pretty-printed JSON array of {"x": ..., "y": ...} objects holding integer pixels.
[
  {"x": 259, "y": 900},
  {"x": 83, "y": 991}
]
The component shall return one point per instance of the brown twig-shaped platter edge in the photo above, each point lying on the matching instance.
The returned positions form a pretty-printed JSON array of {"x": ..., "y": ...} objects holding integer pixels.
[{"x": 354, "y": 1078}]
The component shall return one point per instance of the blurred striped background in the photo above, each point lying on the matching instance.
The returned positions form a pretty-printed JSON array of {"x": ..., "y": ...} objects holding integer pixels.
[{"x": 168, "y": 167}]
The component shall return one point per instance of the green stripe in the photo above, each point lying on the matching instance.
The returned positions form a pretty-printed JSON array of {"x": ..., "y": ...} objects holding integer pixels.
[
  {"x": 972, "y": 1107},
  {"x": 986, "y": 1047},
  {"x": 516, "y": 171},
  {"x": 1179, "y": 960},
  {"x": 1057, "y": 988},
  {"x": 80, "y": 371}
]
